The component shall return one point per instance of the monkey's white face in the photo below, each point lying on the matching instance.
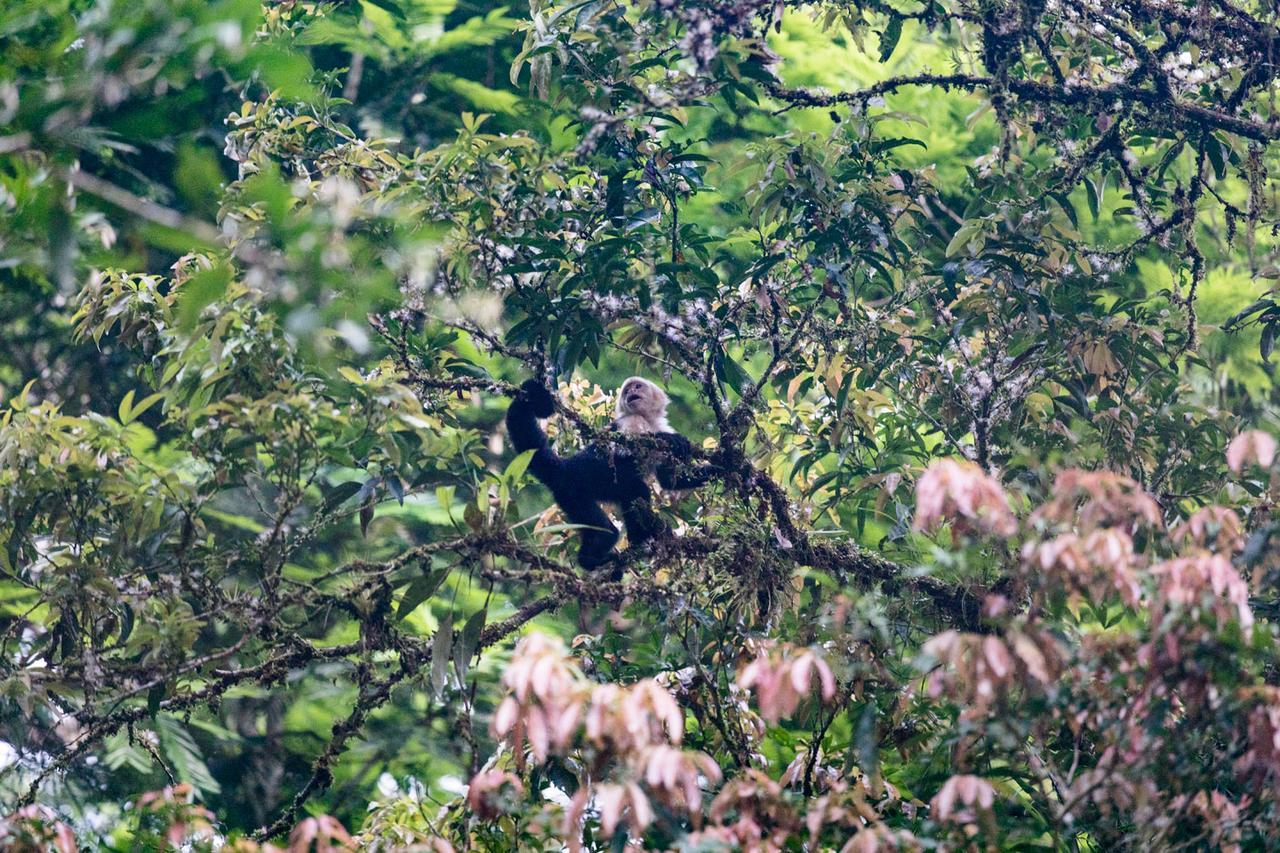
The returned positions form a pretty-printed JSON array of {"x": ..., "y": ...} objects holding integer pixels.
[{"x": 640, "y": 397}]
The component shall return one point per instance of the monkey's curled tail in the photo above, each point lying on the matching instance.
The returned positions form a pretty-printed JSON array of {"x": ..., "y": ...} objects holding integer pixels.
[{"x": 532, "y": 403}]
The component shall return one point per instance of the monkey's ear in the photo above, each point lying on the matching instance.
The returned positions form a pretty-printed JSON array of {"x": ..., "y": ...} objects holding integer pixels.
[{"x": 540, "y": 399}]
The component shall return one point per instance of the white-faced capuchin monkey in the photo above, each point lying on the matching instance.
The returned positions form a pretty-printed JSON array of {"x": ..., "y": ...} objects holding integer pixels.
[{"x": 597, "y": 474}]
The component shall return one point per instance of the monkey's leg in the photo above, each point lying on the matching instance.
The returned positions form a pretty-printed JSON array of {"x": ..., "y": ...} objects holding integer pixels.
[{"x": 598, "y": 534}]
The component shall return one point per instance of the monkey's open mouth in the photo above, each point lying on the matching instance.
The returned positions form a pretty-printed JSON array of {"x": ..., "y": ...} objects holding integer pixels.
[{"x": 633, "y": 398}]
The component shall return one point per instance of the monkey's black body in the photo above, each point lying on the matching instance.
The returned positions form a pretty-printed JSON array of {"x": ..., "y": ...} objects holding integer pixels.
[{"x": 580, "y": 483}]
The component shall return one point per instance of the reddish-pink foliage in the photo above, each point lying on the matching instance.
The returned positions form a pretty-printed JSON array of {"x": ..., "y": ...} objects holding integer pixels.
[
  {"x": 971, "y": 794},
  {"x": 1253, "y": 447},
  {"x": 35, "y": 829},
  {"x": 782, "y": 677},
  {"x": 960, "y": 492}
]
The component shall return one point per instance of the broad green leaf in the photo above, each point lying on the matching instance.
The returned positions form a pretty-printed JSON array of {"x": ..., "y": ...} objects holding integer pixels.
[
  {"x": 889, "y": 38},
  {"x": 468, "y": 642},
  {"x": 335, "y": 496},
  {"x": 441, "y": 653},
  {"x": 420, "y": 590},
  {"x": 198, "y": 292},
  {"x": 184, "y": 755},
  {"x": 518, "y": 465}
]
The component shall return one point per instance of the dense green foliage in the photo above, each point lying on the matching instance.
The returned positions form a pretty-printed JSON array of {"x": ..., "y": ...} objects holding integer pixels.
[{"x": 965, "y": 300}]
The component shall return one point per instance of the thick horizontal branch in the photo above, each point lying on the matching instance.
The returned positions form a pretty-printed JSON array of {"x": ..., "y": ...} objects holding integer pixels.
[
  {"x": 1094, "y": 97},
  {"x": 850, "y": 563},
  {"x": 961, "y": 605},
  {"x": 158, "y": 214},
  {"x": 141, "y": 207}
]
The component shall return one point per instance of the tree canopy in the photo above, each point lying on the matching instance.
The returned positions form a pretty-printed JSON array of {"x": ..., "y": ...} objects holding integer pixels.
[{"x": 968, "y": 304}]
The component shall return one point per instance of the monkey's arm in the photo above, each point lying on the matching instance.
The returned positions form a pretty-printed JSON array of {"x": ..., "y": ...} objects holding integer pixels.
[
  {"x": 533, "y": 403},
  {"x": 678, "y": 470}
]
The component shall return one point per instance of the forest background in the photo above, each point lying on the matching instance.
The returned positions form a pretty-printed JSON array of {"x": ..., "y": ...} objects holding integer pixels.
[{"x": 969, "y": 303}]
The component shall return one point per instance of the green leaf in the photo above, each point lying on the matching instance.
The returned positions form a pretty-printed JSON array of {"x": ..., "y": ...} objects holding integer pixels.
[
  {"x": 889, "y": 38},
  {"x": 1067, "y": 207},
  {"x": 154, "y": 697},
  {"x": 366, "y": 514},
  {"x": 390, "y": 6},
  {"x": 335, "y": 496},
  {"x": 477, "y": 94},
  {"x": 444, "y": 498},
  {"x": 199, "y": 177},
  {"x": 147, "y": 402},
  {"x": 200, "y": 291},
  {"x": 126, "y": 407},
  {"x": 121, "y": 753},
  {"x": 128, "y": 412},
  {"x": 897, "y": 142},
  {"x": 184, "y": 755},
  {"x": 1217, "y": 152},
  {"x": 518, "y": 466},
  {"x": 732, "y": 374},
  {"x": 285, "y": 71},
  {"x": 868, "y": 741},
  {"x": 126, "y": 621},
  {"x": 468, "y": 640},
  {"x": 1094, "y": 193},
  {"x": 966, "y": 233},
  {"x": 420, "y": 590},
  {"x": 648, "y": 216},
  {"x": 441, "y": 652},
  {"x": 1255, "y": 307},
  {"x": 396, "y": 487}
]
